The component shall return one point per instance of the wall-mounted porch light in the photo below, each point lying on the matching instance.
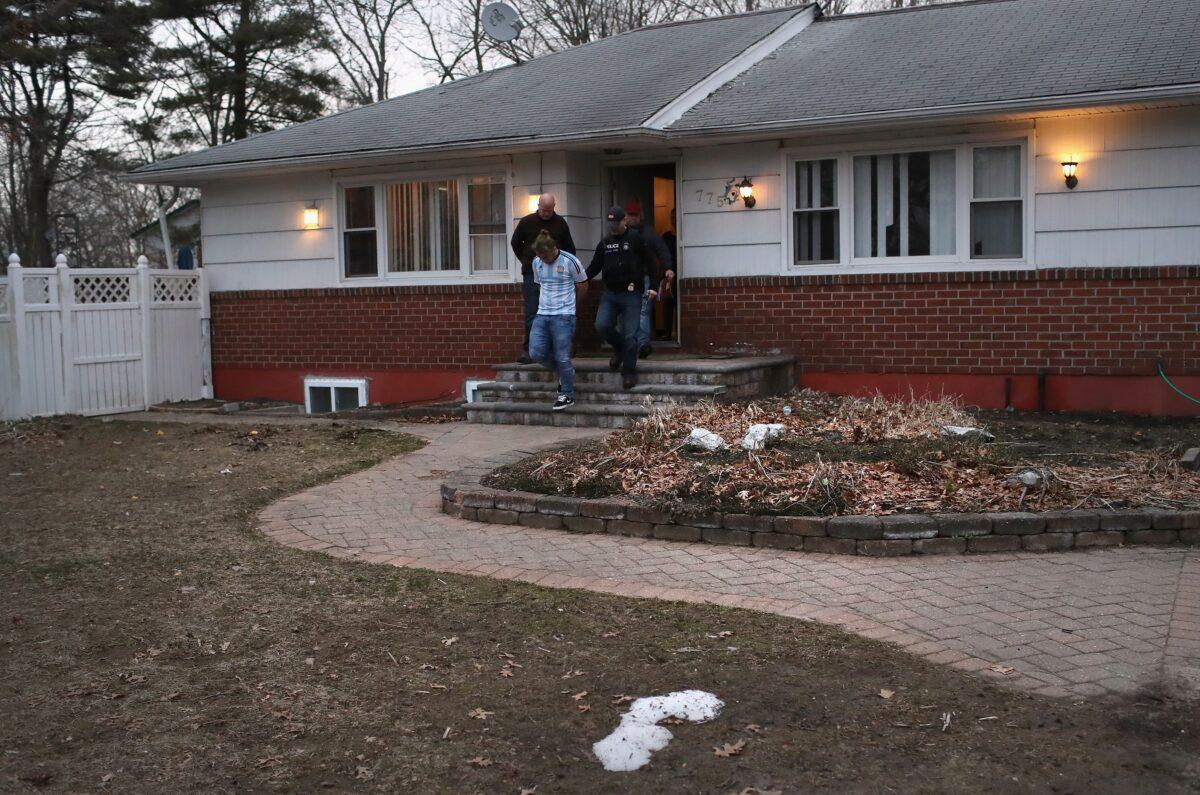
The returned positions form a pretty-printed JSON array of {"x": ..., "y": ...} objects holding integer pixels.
[
  {"x": 746, "y": 191},
  {"x": 312, "y": 216},
  {"x": 1069, "y": 168},
  {"x": 531, "y": 203}
]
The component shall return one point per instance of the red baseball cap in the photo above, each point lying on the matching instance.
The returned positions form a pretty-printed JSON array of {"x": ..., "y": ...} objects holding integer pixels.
[{"x": 633, "y": 207}]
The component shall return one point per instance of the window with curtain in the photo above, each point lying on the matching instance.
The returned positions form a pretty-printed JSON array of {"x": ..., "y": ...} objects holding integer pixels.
[
  {"x": 996, "y": 203},
  {"x": 904, "y": 204},
  {"x": 422, "y": 226},
  {"x": 358, "y": 232},
  {"x": 486, "y": 229},
  {"x": 816, "y": 217}
]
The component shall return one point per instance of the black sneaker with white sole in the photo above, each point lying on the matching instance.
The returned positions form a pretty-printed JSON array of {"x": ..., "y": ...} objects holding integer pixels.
[{"x": 564, "y": 402}]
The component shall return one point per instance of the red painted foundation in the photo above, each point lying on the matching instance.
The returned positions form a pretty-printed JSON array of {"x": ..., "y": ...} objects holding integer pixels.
[
  {"x": 1083, "y": 393},
  {"x": 384, "y": 387}
]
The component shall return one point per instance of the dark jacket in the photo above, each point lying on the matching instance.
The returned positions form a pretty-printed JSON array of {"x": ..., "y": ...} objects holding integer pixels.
[
  {"x": 624, "y": 260},
  {"x": 527, "y": 231},
  {"x": 658, "y": 247}
]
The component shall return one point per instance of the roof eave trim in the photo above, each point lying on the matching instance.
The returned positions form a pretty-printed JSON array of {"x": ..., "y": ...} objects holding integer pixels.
[
  {"x": 217, "y": 170},
  {"x": 1053, "y": 102},
  {"x": 674, "y": 110}
]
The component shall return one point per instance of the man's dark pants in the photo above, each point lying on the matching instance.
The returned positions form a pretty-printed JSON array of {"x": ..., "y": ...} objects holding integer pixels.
[
  {"x": 531, "y": 292},
  {"x": 617, "y": 320}
]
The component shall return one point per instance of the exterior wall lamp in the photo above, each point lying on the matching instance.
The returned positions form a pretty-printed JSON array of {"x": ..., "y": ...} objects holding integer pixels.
[
  {"x": 531, "y": 203},
  {"x": 746, "y": 191},
  {"x": 312, "y": 216},
  {"x": 1069, "y": 168}
]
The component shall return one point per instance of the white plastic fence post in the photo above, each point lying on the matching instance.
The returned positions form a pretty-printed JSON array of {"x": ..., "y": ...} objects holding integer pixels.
[
  {"x": 145, "y": 295},
  {"x": 16, "y": 291},
  {"x": 206, "y": 388},
  {"x": 69, "y": 401}
]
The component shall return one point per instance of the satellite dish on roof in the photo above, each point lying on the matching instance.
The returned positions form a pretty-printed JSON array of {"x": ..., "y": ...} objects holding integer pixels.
[{"x": 501, "y": 21}]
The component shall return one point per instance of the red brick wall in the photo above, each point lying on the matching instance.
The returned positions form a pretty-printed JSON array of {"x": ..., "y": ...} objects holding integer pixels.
[
  {"x": 1111, "y": 321},
  {"x": 1097, "y": 334},
  {"x": 373, "y": 327}
]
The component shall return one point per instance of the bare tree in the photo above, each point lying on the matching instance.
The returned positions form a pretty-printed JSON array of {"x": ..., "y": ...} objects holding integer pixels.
[{"x": 362, "y": 36}]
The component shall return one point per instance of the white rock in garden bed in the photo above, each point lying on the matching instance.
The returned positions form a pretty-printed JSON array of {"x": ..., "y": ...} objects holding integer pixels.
[
  {"x": 759, "y": 436},
  {"x": 704, "y": 439},
  {"x": 967, "y": 432}
]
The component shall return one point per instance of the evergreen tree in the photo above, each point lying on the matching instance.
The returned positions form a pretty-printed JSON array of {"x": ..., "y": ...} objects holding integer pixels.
[
  {"x": 61, "y": 63},
  {"x": 241, "y": 67}
]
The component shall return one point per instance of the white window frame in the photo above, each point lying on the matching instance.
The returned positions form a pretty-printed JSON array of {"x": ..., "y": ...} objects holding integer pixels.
[
  {"x": 332, "y": 384},
  {"x": 964, "y": 147},
  {"x": 794, "y": 211},
  {"x": 464, "y": 274},
  {"x": 972, "y": 201}
]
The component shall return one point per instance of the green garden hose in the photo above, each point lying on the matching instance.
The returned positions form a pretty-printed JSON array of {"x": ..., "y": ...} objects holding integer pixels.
[{"x": 1178, "y": 391}]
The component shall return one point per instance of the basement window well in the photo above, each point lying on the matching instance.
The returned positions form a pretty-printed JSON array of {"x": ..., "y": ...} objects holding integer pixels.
[{"x": 325, "y": 395}]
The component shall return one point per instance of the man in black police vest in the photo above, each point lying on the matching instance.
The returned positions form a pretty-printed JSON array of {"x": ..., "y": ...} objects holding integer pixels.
[{"x": 623, "y": 262}]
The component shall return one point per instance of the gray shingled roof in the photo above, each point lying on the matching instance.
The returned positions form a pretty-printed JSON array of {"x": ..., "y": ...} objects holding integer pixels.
[
  {"x": 993, "y": 50},
  {"x": 587, "y": 89}
]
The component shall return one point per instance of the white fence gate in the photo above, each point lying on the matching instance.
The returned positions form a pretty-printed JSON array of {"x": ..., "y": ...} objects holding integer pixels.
[{"x": 101, "y": 340}]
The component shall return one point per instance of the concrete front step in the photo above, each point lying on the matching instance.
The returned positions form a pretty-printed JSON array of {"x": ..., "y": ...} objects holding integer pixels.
[
  {"x": 586, "y": 393},
  {"x": 521, "y": 394},
  {"x": 581, "y": 415},
  {"x": 743, "y": 377}
]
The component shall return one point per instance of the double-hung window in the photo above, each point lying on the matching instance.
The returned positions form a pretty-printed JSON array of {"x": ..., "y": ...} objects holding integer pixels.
[
  {"x": 816, "y": 218},
  {"x": 427, "y": 227},
  {"x": 931, "y": 205},
  {"x": 359, "y": 232},
  {"x": 997, "y": 209},
  {"x": 486, "y": 228}
]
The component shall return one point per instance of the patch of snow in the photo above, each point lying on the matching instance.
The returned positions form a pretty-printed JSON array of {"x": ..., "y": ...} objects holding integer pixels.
[
  {"x": 704, "y": 439},
  {"x": 967, "y": 432},
  {"x": 759, "y": 436},
  {"x": 639, "y": 735}
]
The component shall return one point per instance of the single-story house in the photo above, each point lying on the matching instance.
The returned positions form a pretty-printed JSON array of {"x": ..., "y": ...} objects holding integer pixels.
[{"x": 997, "y": 198}]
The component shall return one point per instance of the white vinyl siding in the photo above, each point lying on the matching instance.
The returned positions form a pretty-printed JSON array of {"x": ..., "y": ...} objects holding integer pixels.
[{"x": 1138, "y": 198}]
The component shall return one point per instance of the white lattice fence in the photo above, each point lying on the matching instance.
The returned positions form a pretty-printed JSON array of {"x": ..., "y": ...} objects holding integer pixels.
[{"x": 102, "y": 341}]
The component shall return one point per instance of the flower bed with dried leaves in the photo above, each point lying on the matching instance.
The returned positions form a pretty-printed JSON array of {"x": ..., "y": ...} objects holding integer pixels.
[{"x": 843, "y": 456}]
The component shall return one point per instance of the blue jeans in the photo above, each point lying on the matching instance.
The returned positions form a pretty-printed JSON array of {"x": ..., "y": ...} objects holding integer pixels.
[
  {"x": 624, "y": 309},
  {"x": 531, "y": 292},
  {"x": 646, "y": 326},
  {"x": 550, "y": 341}
]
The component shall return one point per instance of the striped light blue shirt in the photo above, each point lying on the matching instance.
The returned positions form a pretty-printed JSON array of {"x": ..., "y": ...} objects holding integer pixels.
[{"x": 558, "y": 283}]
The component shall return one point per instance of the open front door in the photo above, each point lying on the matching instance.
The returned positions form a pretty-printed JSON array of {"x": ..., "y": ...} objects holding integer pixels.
[{"x": 654, "y": 186}]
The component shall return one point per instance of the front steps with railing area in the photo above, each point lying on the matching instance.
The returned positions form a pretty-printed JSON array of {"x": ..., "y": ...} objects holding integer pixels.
[{"x": 522, "y": 394}]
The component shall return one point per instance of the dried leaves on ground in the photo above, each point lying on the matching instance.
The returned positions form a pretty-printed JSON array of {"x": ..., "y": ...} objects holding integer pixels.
[{"x": 843, "y": 455}]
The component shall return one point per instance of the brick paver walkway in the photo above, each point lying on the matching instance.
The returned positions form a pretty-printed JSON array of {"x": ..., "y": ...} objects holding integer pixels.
[{"x": 1078, "y": 623}]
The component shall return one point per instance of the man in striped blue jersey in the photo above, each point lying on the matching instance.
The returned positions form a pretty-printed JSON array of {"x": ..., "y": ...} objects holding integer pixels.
[{"x": 553, "y": 332}]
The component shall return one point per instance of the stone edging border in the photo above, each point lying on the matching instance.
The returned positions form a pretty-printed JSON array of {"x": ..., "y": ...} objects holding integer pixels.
[{"x": 876, "y": 536}]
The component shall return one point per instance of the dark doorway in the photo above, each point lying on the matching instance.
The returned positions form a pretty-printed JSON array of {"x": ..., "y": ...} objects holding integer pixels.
[{"x": 654, "y": 187}]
